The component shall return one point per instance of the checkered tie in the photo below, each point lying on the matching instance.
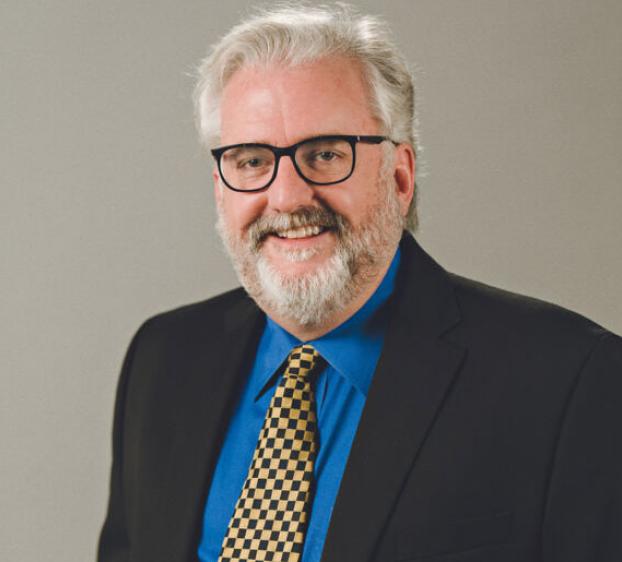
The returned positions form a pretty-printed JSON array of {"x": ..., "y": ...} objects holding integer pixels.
[{"x": 270, "y": 517}]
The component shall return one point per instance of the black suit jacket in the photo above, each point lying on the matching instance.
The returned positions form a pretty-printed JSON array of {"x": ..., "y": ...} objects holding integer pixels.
[{"x": 491, "y": 432}]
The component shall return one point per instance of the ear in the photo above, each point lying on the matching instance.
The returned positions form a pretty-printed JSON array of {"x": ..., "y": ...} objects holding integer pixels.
[{"x": 404, "y": 174}]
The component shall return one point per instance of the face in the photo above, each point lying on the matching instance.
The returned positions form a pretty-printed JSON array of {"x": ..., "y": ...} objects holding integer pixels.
[{"x": 281, "y": 106}]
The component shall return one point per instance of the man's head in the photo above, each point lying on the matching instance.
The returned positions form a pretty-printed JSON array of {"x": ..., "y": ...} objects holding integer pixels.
[{"x": 308, "y": 244}]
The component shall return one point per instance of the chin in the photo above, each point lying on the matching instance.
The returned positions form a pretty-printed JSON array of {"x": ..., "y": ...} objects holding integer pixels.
[
  {"x": 298, "y": 262},
  {"x": 303, "y": 291}
]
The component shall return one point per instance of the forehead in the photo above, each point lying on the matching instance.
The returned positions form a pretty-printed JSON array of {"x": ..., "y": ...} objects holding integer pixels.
[{"x": 281, "y": 104}]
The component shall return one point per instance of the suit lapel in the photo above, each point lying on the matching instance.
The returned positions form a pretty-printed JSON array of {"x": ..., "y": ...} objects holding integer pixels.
[
  {"x": 414, "y": 373},
  {"x": 215, "y": 375}
]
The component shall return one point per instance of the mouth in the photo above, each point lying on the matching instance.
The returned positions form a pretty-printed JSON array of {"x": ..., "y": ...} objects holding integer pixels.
[
  {"x": 299, "y": 238},
  {"x": 299, "y": 232},
  {"x": 302, "y": 228}
]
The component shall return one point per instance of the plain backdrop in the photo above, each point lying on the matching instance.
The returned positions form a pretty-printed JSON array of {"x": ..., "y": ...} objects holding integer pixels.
[{"x": 107, "y": 218}]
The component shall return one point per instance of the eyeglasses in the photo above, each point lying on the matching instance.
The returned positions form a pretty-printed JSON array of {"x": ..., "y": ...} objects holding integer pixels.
[{"x": 324, "y": 160}]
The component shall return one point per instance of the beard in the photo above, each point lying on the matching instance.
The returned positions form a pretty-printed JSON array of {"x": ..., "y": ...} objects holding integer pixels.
[{"x": 310, "y": 299}]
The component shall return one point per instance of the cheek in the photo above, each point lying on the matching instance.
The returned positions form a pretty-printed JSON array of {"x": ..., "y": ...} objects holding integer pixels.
[
  {"x": 242, "y": 209},
  {"x": 352, "y": 200},
  {"x": 361, "y": 191}
]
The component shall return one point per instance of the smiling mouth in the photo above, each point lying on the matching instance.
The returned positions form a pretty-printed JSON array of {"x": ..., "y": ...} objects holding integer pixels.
[
  {"x": 300, "y": 232},
  {"x": 301, "y": 225}
]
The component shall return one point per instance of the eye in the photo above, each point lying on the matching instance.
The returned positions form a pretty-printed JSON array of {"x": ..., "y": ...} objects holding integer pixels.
[
  {"x": 326, "y": 155},
  {"x": 251, "y": 163}
]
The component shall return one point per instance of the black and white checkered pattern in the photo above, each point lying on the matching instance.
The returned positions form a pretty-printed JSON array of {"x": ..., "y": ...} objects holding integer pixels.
[{"x": 269, "y": 520}]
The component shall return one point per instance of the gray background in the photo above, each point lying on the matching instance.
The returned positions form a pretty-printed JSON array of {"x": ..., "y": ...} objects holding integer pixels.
[{"x": 106, "y": 212}]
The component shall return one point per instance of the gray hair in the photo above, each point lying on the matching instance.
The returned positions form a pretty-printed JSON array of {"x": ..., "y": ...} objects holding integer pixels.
[{"x": 298, "y": 34}]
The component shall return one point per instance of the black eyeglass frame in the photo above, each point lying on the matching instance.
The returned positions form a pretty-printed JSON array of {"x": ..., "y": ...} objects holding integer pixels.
[{"x": 291, "y": 151}]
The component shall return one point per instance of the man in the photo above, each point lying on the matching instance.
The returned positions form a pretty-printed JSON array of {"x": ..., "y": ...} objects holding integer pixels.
[{"x": 354, "y": 402}]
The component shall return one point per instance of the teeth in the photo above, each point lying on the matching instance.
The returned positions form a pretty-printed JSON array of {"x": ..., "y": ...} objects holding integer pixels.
[{"x": 301, "y": 232}]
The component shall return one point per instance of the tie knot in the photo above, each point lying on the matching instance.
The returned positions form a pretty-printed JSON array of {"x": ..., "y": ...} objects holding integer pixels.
[{"x": 301, "y": 361}]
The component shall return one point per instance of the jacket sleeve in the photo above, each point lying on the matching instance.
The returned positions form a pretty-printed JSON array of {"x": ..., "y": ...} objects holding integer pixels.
[
  {"x": 583, "y": 516},
  {"x": 114, "y": 540}
]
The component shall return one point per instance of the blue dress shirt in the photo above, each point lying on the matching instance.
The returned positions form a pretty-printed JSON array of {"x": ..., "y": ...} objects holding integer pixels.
[{"x": 352, "y": 351}]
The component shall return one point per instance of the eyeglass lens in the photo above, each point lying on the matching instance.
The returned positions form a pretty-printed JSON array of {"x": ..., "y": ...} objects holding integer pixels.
[{"x": 318, "y": 160}]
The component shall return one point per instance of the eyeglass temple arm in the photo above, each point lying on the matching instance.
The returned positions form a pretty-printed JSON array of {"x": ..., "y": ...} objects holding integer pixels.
[{"x": 374, "y": 139}]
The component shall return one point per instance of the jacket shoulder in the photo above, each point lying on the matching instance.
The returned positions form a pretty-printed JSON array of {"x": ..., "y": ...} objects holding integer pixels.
[
  {"x": 196, "y": 318},
  {"x": 499, "y": 313}
]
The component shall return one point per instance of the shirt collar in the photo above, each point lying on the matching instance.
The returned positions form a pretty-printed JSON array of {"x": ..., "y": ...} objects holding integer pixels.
[{"x": 352, "y": 348}]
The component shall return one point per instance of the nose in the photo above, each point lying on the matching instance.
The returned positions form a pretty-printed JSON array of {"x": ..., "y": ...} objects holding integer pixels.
[{"x": 289, "y": 191}]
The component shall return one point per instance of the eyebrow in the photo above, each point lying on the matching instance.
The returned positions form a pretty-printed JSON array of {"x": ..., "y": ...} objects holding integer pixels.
[{"x": 263, "y": 140}]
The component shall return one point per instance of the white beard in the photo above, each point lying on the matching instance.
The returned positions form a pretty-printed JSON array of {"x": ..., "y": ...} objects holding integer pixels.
[
  {"x": 310, "y": 299},
  {"x": 307, "y": 299}
]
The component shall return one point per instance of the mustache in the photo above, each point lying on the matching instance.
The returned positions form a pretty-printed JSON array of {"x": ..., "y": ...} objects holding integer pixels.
[{"x": 306, "y": 216}]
